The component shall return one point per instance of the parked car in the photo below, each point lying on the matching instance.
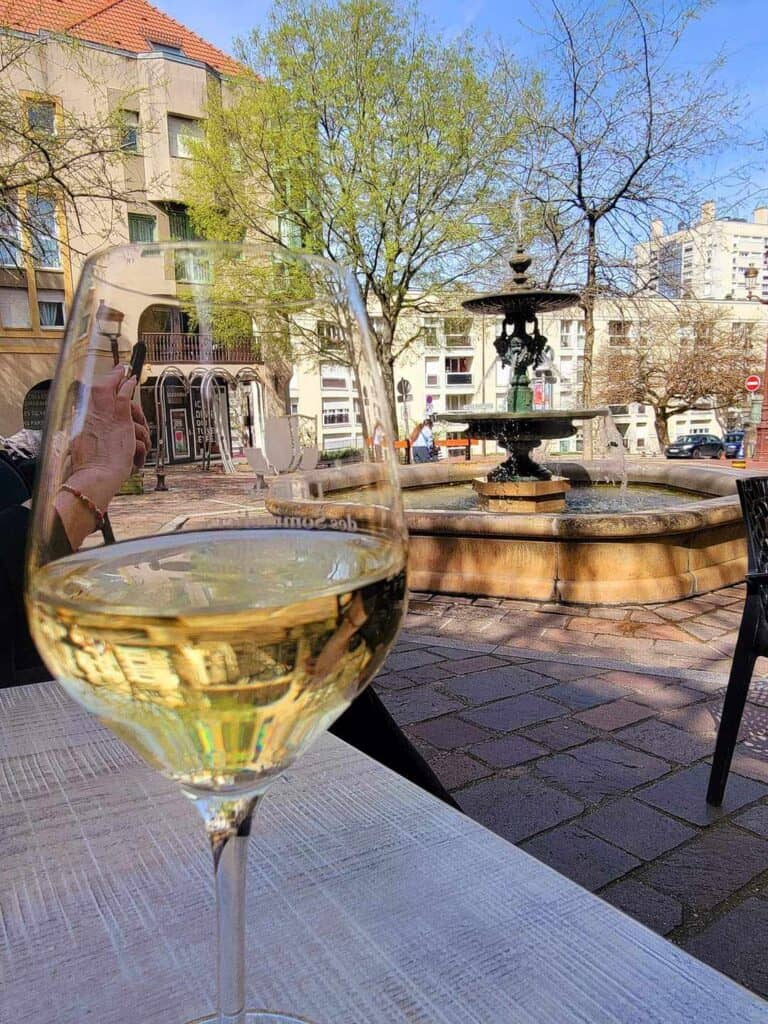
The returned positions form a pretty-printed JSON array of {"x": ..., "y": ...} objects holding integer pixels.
[
  {"x": 695, "y": 446},
  {"x": 734, "y": 444}
]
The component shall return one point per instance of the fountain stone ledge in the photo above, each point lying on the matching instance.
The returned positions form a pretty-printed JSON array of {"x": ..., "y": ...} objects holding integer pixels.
[{"x": 652, "y": 556}]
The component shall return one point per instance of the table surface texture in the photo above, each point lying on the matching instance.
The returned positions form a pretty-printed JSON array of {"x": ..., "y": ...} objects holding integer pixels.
[{"x": 368, "y": 902}]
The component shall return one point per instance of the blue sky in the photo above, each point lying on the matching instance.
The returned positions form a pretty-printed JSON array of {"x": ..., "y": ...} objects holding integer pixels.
[{"x": 737, "y": 28}]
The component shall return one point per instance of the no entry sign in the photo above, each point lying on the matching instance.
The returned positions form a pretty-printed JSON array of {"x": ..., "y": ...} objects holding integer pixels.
[{"x": 752, "y": 383}]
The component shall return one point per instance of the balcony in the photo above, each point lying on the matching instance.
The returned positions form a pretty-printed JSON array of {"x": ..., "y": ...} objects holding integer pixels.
[
  {"x": 175, "y": 347},
  {"x": 458, "y": 380}
]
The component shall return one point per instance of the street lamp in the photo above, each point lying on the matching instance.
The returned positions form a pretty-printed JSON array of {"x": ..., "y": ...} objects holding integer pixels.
[
  {"x": 759, "y": 459},
  {"x": 110, "y": 323}
]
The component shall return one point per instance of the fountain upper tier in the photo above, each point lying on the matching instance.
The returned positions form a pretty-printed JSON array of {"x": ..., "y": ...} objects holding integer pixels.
[{"x": 537, "y": 425}]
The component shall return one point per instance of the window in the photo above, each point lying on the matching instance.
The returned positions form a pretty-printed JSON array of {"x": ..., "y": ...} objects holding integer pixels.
[
  {"x": 182, "y": 131},
  {"x": 333, "y": 377},
  {"x": 430, "y": 332},
  {"x": 180, "y": 226},
  {"x": 50, "y": 307},
  {"x": 618, "y": 332},
  {"x": 10, "y": 233},
  {"x": 358, "y": 410},
  {"x": 432, "y": 372},
  {"x": 141, "y": 227},
  {"x": 41, "y": 116},
  {"x": 329, "y": 338},
  {"x": 458, "y": 370},
  {"x": 129, "y": 140},
  {"x": 571, "y": 334},
  {"x": 457, "y": 332},
  {"x": 335, "y": 414},
  {"x": 14, "y": 308},
  {"x": 335, "y": 442},
  {"x": 45, "y": 235},
  {"x": 457, "y": 402},
  {"x": 289, "y": 231}
]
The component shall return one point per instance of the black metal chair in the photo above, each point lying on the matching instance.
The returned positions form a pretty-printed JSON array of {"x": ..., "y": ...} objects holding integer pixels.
[{"x": 752, "y": 640}]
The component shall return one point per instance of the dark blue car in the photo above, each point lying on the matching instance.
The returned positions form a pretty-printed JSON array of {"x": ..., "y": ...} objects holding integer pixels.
[
  {"x": 734, "y": 444},
  {"x": 695, "y": 446}
]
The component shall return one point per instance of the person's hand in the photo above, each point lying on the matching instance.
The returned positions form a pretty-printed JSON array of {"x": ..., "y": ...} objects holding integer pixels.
[
  {"x": 113, "y": 437},
  {"x": 113, "y": 440}
]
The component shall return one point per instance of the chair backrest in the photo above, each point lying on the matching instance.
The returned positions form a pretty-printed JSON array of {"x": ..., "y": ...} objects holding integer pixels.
[{"x": 753, "y": 494}]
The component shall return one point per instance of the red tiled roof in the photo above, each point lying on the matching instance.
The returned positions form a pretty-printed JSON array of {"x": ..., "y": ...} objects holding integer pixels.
[{"x": 131, "y": 25}]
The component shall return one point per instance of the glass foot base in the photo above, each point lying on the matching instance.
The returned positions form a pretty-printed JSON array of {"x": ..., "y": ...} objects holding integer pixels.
[{"x": 255, "y": 1017}]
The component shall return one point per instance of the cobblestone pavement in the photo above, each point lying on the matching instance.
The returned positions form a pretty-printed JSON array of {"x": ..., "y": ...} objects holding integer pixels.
[{"x": 584, "y": 736}]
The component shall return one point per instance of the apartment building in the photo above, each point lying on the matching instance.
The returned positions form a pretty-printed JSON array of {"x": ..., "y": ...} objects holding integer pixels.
[
  {"x": 707, "y": 260},
  {"x": 130, "y": 57}
]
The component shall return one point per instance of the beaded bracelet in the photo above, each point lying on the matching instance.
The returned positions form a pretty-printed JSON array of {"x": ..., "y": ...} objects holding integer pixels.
[{"x": 92, "y": 507}]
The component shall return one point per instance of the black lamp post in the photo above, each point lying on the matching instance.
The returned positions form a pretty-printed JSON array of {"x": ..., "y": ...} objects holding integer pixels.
[{"x": 110, "y": 323}]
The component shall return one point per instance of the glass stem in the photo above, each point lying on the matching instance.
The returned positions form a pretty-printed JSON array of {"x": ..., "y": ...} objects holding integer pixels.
[{"x": 228, "y": 825}]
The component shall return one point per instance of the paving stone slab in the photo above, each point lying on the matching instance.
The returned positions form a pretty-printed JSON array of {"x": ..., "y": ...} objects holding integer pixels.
[
  {"x": 426, "y": 673},
  {"x": 581, "y": 856},
  {"x": 449, "y": 732},
  {"x": 418, "y": 704},
  {"x": 737, "y": 945},
  {"x": 455, "y": 769},
  {"x": 666, "y": 741},
  {"x": 584, "y": 693},
  {"x": 614, "y": 715},
  {"x": 749, "y": 762},
  {"x": 700, "y": 719},
  {"x": 393, "y": 681},
  {"x": 684, "y": 795},
  {"x": 600, "y": 769},
  {"x": 400, "y": 661},
  {"x": 755, "y": 819},
  {"x": 495, "y": 683},
  {"x": 668, "y": 697},
  {"x": 560, "y": 670},
  {"x": 474, "y": 663},
  {"x": 514, "y": 712},
  {"x": 656, "y": 910},
  {"x": 636, "y": 828},
  {"x": 517, "y": 808},
  {"x": 508, "y": 751},
  {"x": 560, "y": 734},
  {"x": 711, "y": 868}
]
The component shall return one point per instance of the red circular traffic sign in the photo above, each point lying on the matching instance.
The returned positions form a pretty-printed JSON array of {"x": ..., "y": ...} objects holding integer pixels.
[{"x": 752, "y": 383}]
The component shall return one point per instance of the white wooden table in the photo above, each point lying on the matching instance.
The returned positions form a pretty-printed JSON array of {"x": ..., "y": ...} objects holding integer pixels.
[{"x": 369, "y": 902}]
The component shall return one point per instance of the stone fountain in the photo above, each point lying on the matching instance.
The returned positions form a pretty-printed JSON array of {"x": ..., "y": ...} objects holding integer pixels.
[{"x": 520, "y": 484}]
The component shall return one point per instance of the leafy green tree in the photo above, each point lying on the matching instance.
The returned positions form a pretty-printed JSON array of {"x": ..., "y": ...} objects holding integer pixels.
[{"x": 359, "y": 132}]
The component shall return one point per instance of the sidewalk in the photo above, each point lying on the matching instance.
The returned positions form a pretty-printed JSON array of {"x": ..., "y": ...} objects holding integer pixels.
[{"x": 585, "y": 736}]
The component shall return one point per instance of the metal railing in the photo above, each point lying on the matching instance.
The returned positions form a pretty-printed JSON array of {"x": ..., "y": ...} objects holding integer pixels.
[
  {"x": 176, "y": 347},
  {"x": 452, "y": 379}
]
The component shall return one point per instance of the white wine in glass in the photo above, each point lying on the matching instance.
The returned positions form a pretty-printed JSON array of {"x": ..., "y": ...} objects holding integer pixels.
[{"x": 218, "y": 643}]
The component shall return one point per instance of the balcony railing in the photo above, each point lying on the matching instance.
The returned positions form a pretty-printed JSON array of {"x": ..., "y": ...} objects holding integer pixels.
[
  {"x": 453, "y": 379},
  {"x": 175, "y": 347}
]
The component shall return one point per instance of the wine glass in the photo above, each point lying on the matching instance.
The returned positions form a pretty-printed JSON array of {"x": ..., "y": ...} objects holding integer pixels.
[{"x": 221, "y": 622}]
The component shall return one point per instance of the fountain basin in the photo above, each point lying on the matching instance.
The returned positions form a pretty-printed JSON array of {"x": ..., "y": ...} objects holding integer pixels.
[{"x": 652, "y": 556}]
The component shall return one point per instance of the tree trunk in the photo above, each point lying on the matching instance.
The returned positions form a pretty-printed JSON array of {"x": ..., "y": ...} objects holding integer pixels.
[
  {"x": 661, "y": 423},
  {"x": 588, "y": 305}
]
